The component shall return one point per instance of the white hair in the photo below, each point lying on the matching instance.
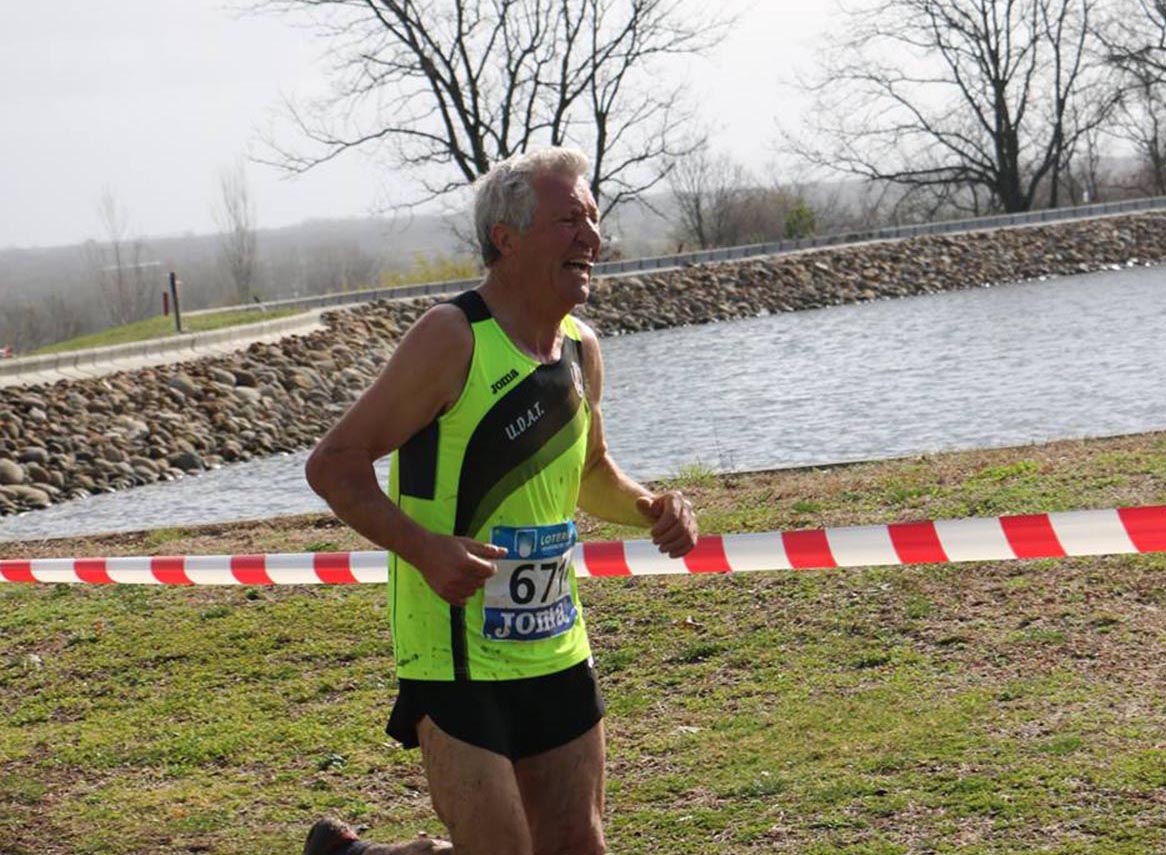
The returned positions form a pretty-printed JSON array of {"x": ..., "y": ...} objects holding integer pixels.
[{"x": 505, "y": 193}]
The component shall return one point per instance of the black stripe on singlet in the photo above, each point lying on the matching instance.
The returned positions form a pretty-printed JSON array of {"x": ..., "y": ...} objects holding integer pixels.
[
  {"x": 472, "y": 306},
  {"x": 475, "y": 310},
  {"x": 511, "y": 433}
]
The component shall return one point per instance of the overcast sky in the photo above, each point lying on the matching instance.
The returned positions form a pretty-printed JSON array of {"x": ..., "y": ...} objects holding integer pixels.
[{"x": 153, "y": 98}]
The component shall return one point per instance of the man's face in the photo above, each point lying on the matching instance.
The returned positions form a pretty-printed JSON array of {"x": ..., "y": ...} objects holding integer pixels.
[{"x": 562, "y": 242}]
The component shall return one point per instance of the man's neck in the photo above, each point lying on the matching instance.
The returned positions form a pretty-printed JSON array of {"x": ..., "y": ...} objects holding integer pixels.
[{"x": 533, "y": 325}]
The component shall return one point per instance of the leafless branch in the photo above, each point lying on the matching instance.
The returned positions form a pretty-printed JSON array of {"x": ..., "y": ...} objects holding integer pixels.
[
  {"x": 972, "y": 102},
  {"x": 443, "y": 89}
]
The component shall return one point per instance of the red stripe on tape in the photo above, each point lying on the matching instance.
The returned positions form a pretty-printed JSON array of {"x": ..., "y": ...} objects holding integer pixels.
[
  {"x": 250, "y": 569},
  {"x": 333, "y": 568},
  {"x": 917, "y": 542},
  {"x": 170, "y": 569},
  {"x": 708, "y": 556},
  {"x": 92, "y": 571},
  {"x": 606, "y": 559},
  {"x": 807, "y": 549},
  {"x": 16, "y": 571},
  {"x": 1032, "y": 536},
  {"x": 1146, "y": 527}
]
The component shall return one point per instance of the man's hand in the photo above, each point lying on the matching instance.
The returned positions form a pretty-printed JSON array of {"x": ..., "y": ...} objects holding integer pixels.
[
  {"x": 674, "y": 523},
  {"x": 456, "y": 567}
]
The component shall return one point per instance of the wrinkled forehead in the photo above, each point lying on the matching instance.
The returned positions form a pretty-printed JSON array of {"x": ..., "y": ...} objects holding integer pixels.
[{"x": 559, "y": 191}]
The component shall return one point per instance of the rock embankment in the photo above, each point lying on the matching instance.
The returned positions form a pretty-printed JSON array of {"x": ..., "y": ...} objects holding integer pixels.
[{"x": 75, "y": 438}]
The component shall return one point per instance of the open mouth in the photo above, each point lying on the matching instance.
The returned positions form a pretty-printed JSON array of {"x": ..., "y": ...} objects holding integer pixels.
[{"x": 584, "y": 266}]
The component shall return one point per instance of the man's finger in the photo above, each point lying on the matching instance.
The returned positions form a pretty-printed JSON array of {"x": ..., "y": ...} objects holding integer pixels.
[
  {"x": 665, "y": 524},
  {"x": 485, "y": 550},
  {"x": 670, "y": 544},
  {"x": 669, "y": 520},
  {"x": 481, "y": 570},
  {"x": 647, "y": 507}
]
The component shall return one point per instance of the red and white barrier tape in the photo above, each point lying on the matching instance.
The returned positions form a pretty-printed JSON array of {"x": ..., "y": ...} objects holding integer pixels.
[{"x": 1055, "y": 535}]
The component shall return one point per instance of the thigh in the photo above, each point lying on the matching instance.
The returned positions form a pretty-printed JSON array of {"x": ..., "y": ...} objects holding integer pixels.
[
  {"x": 562, "y": 790},
  {"x": 475, "y": 794}
]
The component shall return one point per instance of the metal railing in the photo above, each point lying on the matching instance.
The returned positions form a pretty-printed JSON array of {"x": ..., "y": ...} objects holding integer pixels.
[
  {"x": 780, "y": 247},
  {"x": 22, "y": 369},
  {"x": 625, "y": 267}
]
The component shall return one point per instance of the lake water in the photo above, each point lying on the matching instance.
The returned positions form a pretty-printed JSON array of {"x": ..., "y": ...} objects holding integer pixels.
[{"x": 1015, "y": 364}]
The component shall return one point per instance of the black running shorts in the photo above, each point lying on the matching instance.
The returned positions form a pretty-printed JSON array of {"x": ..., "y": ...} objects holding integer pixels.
[{"x": 514, "y": 718}]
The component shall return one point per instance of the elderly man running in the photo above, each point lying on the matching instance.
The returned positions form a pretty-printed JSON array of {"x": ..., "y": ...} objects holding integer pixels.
[{"x": 490, "y": 408}]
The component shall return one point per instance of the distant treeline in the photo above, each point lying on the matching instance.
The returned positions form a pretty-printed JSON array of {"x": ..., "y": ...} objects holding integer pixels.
[{"x": 54, "y": 294}]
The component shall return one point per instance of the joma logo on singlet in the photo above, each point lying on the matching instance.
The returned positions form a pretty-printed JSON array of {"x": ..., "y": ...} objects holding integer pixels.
[
  {"x": 501, "y": 383},
  {"x": 518, "y": 427}
]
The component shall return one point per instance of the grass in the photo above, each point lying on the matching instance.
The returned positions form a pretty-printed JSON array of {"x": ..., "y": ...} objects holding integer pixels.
[
  {"x": 163, "y": 327},
  {"x": 432, "y": 268},
  {"x": 979, "y": 708}
]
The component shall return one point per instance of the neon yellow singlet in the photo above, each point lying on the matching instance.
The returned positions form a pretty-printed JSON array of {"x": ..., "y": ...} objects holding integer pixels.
[{"x": 502, "y": 464}]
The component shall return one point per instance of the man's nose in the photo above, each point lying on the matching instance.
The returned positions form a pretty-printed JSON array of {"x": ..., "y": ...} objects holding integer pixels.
[{"x": 589, "y": 236}]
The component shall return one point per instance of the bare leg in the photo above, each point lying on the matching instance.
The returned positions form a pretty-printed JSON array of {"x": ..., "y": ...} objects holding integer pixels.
[
  {"x": 562, "y": 790},
  {"x": 475, "y": 794}
]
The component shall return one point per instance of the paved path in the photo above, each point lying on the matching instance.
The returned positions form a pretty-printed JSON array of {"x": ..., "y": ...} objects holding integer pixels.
[{"x": 97, "y": 362}]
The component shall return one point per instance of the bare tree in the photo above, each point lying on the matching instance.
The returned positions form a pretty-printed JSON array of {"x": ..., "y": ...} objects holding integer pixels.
[
  {"x": 126, "y": 280},
  {"x": 719, "y": 203},
  {"x": 1135, "y": 45},
  {"x": 761, "y": 214},
  {"x": 235, "y": 215},
  {"x": 973, "y": 104},
  {"x": 704, "y": 187},
  {"x": 1088, "y": 178},
  {"x": 27, "y": 324},
  {"x": 1135, "y": 36},
  {"x": 445, "y": 88}
]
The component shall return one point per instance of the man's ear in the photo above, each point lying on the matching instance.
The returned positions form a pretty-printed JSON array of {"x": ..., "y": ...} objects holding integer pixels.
[{"x": 502, "y": 236}]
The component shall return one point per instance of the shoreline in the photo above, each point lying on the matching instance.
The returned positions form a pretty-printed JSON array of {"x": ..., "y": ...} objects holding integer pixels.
[
  {"x": 322, "y": 532},
  {"x": 77, "y": 438}
]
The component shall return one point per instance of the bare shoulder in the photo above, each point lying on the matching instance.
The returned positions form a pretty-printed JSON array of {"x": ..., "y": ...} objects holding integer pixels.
[
  {"x": 443, "y": 328},
  {"x": 592, "y": 360},
  {"x": 589, "y": 340},
  {"x": 430, "y": 363},
  {"x": 585, "y": 330},
  {"x": 423, "y": 376}
]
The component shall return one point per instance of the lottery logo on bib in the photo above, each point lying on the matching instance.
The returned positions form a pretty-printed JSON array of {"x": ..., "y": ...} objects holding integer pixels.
[{"x": 529, "y": 598}]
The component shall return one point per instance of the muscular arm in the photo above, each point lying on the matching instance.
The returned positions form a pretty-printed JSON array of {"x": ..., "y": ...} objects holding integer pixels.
[
  {"x": 608, "y": 493},
  {"x": 423, "y": 377}
]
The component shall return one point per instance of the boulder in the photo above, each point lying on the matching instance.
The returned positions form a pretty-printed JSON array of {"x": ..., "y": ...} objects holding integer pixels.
[
  {"x": 220, "y": 375},
  {"x": 131, "y": 427},
  {"x": 187, "y": 461},
  {"x": 11, "y": 472},
  {"x": 34, "y": 454},
  {"x": 249, "y": 394},
  {"x": 183, "y": 384},
  {"x": 30, "y": 497}
]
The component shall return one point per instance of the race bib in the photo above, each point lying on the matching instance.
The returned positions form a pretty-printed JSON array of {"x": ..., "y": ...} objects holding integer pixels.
[{"x": 530, "y": 596}]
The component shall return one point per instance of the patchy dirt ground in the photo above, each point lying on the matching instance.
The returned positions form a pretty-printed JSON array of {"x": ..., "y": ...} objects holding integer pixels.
[{"x": 995, "y": 707}]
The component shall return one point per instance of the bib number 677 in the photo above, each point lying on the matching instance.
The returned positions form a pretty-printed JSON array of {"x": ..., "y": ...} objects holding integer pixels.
[{"x": 526, "y": 579}]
